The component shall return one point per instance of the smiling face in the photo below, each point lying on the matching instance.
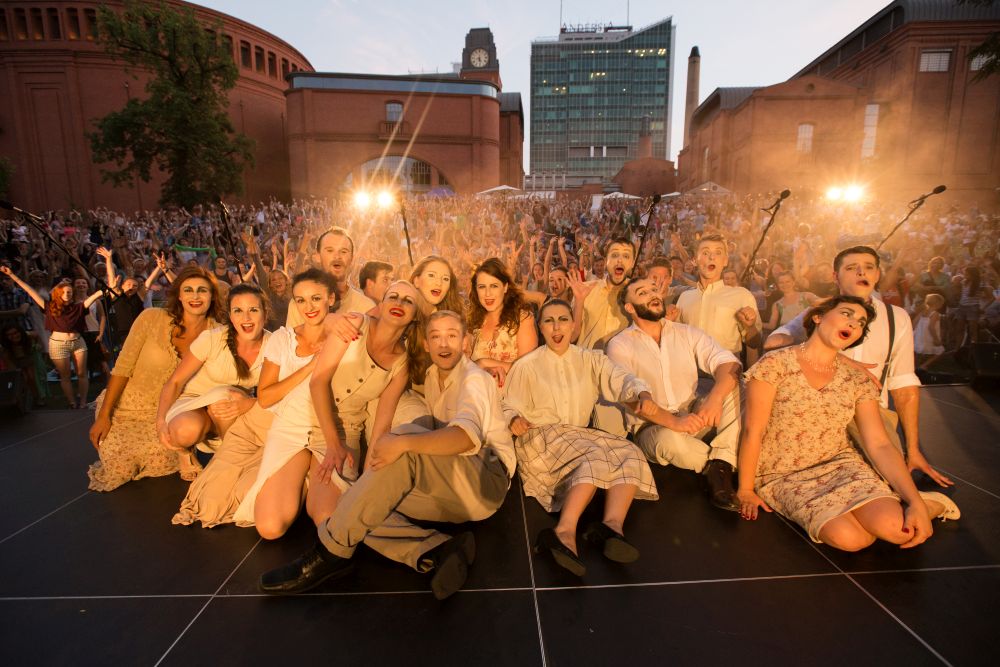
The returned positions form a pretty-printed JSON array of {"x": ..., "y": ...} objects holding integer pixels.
[
  {"x": 786, "y": 284},
  {"x": 80, "y": 288},
  {"x": 278, "y": 282},
  {"x": 858, "y": 275},
  {"x": 313, "y": 301},
  {"x": 246, "y": 312},
  {"x": 399, "y": 304},
  {"x": 711, "y": 259},
  {"x": 335, "y": 256},
  {"x": 556, "y": 324},
  {"x": 63, "y": 293},
  {"x": 730, "y": 279},
  {"x": 490, "y": 292},
  {"x": 434, "y": 282},
  {"x": 445, "y": 336},
  {"x": 644, "y": 301},
  {"x": 619, "y": 262},
  {"x": 196, "y": 296},
  {"x": 842, "y": 326}
]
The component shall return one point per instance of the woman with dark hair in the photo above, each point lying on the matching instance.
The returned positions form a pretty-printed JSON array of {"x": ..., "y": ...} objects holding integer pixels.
[
  {"x": 65, "y": 319},
  {"x": 19, "y": 352},
  {"x": 496, "y": 315},
  {"x": 124, "y": 430},
  {"x": 209, "y": 389},
  {"x": 795, "y": 456}
]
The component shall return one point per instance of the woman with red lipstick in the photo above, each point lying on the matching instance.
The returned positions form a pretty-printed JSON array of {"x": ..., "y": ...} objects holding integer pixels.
[
  {"x": 795, "y": 456},
  {"x": 318, "y": 387},
  {"x": 550, "y": 396},
  {"x": 209, "y": 389},
  {"x": 124, "y": 431},
  {"x": 501, "y": 325}
]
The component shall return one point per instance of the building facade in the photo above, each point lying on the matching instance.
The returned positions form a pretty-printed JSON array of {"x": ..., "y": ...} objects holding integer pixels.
[
  {"x": 56, "y": 80},
  {"x": 895, "y": 106},
  {"x": 591, "y": 88}
]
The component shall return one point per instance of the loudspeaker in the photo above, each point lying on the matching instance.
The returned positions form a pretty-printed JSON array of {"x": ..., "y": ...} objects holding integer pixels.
[
  {"x": 985, "y": 359},
  {"x": 14, "y": 395}
]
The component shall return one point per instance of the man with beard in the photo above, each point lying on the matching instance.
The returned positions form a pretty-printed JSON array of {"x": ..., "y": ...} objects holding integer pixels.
[
  {"x": 457, "y": 473},
  {"x": 856, "y": 273},
  {"x": 727, "y": 314},
  {"x": 668, "y": 356},
  {"x": 335, "y": 255},
  {"x": 596, "y": 315}
]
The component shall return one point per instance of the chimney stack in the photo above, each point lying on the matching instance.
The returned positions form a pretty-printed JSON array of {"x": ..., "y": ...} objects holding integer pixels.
[{"x": 691, "y": 98}]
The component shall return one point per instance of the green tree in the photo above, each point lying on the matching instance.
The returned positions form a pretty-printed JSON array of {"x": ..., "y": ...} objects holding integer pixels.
[
  {"x": 182, "y": 127},
  {"x": 989, "y": 50}
]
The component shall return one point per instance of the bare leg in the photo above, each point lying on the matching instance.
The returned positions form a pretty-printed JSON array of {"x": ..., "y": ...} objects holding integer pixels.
[
  {"x": 617, "y": 501},
  {"x": 65, "y": 379},
  {"x": 186, "y": 430},
  {"x": 846, "y": 534},
  {"x": 280, "y": 498},
  {"x": 83, "y": 375},
  {"x": 322, "y": 498},
  {"x": 883, "y": 518},
  {"x": 576, "y": 501}
]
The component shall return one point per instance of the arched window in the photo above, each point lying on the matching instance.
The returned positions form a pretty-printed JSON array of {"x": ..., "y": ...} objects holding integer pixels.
[
  {"x": 396, "y": 172},
  {"x": 393, "y": 112}
]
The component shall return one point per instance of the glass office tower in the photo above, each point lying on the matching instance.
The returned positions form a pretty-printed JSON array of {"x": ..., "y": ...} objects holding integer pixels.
[{"x": 591, "y": 88}]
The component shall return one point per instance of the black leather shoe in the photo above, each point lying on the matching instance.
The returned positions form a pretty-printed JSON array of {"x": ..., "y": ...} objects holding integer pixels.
[
  {"x": 614, "y": 545},
  {"x": 549, "y": 542},
  {"x": 451, "y": 561},
  {"x": 721, "y": 493},
  {"x": 305, "y": 572}
]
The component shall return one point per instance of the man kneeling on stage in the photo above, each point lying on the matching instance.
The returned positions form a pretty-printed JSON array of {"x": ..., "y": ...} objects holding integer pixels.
[{"x": 457, "y": 473}]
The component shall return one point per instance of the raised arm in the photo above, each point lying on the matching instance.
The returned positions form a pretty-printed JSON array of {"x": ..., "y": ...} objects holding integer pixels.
[{"x": 23, "y": 285}]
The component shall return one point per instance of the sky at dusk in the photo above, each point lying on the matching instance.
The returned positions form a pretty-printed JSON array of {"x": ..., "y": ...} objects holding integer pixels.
[{"x": 742, "y": 42}]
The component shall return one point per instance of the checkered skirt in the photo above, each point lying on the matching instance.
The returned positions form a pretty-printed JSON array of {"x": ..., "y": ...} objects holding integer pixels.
[{"x": 552, "y": 459}]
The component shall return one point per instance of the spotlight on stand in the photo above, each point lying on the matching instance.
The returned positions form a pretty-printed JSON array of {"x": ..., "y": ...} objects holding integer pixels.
[{"x": 362, "y": 200}]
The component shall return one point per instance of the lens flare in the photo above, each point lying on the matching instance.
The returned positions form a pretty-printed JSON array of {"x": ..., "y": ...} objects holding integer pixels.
[
  {"x": 362, "y": 199},
  {"x": 853, "y": 193},
  {"x": 384, "y": 199},
  {"x": 835, "y": 194}
]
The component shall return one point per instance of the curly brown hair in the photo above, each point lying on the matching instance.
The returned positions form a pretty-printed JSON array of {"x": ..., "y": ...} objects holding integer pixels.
[
  {"x": 513, "y": 308},
  {"x": 217, "y": 311}
]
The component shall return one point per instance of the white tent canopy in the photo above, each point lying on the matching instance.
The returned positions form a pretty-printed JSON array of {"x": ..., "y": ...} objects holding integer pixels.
[
  {"x": 506, "y": 189},
  {"x": 620, "y": 195}
]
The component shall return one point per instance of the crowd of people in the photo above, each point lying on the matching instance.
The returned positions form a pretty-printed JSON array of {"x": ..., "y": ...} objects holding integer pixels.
[{"x": 573, "y": 342}]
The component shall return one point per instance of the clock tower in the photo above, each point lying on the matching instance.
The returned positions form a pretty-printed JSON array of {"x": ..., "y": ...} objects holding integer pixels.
[{"x": 479, "y": 57}]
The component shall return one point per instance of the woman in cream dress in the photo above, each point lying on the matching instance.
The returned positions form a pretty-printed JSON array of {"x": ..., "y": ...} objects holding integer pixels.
[
  {"x": 124, "y": 430},
  {"x": 210, "y": 387},
  {"x": 550, "y": 395},
  {"x": 314, "y": 445}
]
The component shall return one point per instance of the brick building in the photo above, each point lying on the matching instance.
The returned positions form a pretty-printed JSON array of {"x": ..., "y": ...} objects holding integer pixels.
[
  {"x": 56, "y": 79},
  {"x": 893, "y": 106}
]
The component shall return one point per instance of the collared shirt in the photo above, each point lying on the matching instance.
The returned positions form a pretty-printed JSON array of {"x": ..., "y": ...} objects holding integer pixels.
[
  {"x": 713, "y": 310},
  {"x": 470, "y": 400},
  {"x": 354, "y": 301},
  {"x": 602, "y": 318},
  {"x": 670, "y": 368},
  {"x": 12, "y": 299},
  {"x": 873, "y": 350},
  {"x": 548, "y": 388}
]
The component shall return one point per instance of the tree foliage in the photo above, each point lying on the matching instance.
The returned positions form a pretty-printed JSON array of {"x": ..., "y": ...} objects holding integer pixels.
[
  {"x": 182, "y": 126},
  {"x": 989, "y": 50}
]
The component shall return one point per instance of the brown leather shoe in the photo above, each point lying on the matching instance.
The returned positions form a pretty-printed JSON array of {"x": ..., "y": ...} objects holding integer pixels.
[{"x": 721, "y": 493}]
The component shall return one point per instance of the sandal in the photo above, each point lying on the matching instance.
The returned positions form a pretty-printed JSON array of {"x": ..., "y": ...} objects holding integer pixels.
[
  {"x": 190, "y": 468},
  {"x": 950, "y": 510}
]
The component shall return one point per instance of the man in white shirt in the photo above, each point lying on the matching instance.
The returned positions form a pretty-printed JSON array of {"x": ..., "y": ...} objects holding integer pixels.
[
  {"x": 459, "y": 472},
  {"x": 335, "y": 254},
  {"x": 727, "y": 314},
  {"x": 668, "y": 356},
  {"x": 856, "y": 272}
]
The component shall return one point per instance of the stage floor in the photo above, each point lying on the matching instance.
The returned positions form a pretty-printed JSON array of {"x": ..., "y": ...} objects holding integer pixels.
[{"x": 90, "y": 578}]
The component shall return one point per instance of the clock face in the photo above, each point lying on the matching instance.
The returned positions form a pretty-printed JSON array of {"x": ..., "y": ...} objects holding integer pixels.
[{"x": 479, "y": 58}]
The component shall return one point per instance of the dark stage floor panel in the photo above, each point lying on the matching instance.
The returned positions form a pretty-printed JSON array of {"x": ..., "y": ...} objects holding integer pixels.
[{"x": 94, "y": 578}]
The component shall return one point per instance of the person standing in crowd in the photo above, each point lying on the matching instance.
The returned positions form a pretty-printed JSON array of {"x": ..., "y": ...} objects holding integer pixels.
[
  {"x": 335, "y": 254},
  {"x": 65, "y": 320},
  {"x": 551, "y": 393},
  {"x": 124, "y": 431},
  {"x": 890, "y": 359},
  {"x": 596, "y": 317},
  {"x": 374, "y": 279},
  {"x": 209, "y": 389},
  {"x": 667, "y": 356},
  {"x": 502, "y": 326},
  {"x": 790, "y": 303},
  {"x": 795, "y": 456},
  {"x": 457, "y": 473}
]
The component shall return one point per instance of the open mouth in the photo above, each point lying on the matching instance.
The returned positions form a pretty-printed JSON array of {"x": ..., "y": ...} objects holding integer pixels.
[
  {"x": 196, "y": 304},
  {"x": 445, "y": 354},
  {"x": 710, "y": 268},
  {"x": 557, "y": 338},
  {"x": 435, "y": 293},
  {"x": 248, "y": 327},
  {"x": 845, "y": 334},
  {"x": 618, "y": 271},
  {"x": 396, "y": 311},
  {"x": 864, "y": 283},
  {"x": 655, "y": 303},
  {"x": 489, "y": 302},
  {"x": 312, "y": 314}
]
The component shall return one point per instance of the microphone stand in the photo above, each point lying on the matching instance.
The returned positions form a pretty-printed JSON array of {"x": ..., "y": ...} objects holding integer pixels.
[
  {"x": 773, "y": 210},
  {"x": 914, "y": 207},
  {"x": 406, "y": 230},
  {"x": 224, "y": 218},
  {"x": 645, "y": 231}
]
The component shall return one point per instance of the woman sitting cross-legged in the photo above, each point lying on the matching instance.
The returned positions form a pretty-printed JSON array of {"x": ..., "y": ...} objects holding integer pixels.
[
  {"x": 319, "y": 389},
  {"x": 795, "y": 456},
  {"x": 209, "y": 389},
  {"x": 550, "y": 395}
]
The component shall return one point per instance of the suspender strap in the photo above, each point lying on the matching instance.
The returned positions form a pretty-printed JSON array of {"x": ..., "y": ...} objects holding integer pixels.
[{"x": 892, "y": 339}]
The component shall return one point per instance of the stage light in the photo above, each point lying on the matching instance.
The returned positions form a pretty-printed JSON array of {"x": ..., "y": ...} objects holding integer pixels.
[
  {"x": 362, "y": 199},
  {"x": 834, "y": 194},
  {"x": 853, "y": 193},
  {"x": 384, "y": 199}
]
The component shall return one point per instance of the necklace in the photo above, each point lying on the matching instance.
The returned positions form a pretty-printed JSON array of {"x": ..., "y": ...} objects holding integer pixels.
[{"x": 811, "y": 363}]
